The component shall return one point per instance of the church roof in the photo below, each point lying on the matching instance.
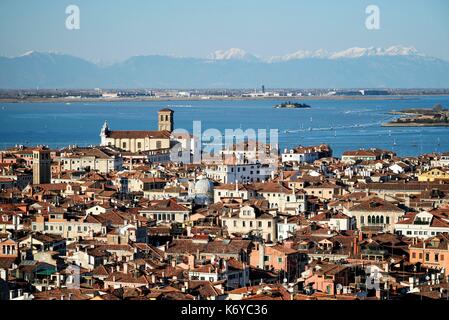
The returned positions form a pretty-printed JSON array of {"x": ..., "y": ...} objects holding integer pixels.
[{"x": 139, "y": 134}]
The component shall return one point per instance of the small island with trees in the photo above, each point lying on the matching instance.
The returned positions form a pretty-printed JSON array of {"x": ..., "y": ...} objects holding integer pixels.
[
  {"x": 420, "y": 117},
  {"x": 291, "y": 105}
]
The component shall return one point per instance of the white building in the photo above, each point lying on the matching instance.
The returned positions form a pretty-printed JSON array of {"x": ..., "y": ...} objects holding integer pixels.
[
  {"x": 250, "y": 220},
  {"x": 306, "y": 154},
  {"x": 166, "y": 211},
  {"x": 101, "y": 159},
  {"x": 422, "y": 225},
  {"x": 240, "y": 172},
  {"x": 441, "y": 161}
]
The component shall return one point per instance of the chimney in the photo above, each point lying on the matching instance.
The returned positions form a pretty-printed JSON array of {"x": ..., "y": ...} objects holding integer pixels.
[
  {"x": 173, "y": 263},
  {"x": 153, "y": 278},
  {"x": 125, "y": 267},
  {"x": 189, "y": 231},
  {"x": 355, "y": 246},
  {"x": 191, "y": 261}
]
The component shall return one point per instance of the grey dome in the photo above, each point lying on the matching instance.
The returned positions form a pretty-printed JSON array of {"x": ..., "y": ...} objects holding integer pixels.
[{"x": 203, "y": 187}]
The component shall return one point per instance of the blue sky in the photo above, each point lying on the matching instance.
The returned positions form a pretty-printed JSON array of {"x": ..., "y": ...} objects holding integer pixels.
[{"x": 113, "y": 30}]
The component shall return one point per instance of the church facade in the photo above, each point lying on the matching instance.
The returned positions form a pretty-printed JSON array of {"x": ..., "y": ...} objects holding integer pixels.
[{"x": 137, "y": 141}]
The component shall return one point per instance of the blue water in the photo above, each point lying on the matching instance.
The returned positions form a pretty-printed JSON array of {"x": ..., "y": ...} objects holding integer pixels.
[{"x": 355, "y": 123}]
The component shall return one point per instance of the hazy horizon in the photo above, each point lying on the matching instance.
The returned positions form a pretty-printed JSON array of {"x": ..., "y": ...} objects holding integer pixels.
[{"x": 113, "y": 32}]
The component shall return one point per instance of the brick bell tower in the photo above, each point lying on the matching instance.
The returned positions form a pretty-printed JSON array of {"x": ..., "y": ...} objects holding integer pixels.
[{"x": 165, "y": 120}]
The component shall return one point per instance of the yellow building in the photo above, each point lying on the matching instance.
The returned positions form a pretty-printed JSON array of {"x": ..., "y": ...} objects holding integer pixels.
[
  {"x": 136, "y": 141},
  {"x": 434, "y": 174}
]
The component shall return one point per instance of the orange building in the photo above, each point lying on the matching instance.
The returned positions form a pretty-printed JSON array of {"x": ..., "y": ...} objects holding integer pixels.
[
  {"x": 432, "y": 253},
  {"x": 277, "y": 257}
]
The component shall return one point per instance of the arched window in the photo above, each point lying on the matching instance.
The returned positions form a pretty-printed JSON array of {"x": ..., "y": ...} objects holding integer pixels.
[
  {"x": 382, "y": 219},
  {"x": 369, "y": 219},
  {"x": 377, "y": 220}
]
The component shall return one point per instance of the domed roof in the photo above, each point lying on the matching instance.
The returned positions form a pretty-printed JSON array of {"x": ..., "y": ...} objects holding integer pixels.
[{"x": 203, "y": 186}]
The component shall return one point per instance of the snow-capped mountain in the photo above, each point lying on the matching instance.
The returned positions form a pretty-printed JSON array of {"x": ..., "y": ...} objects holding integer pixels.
[
  {"x": 233, "y": 54},
  {"x": 397, "y": 67},
  {"x": 355, "y": 52},
  {"x": 301, "y": 54}
]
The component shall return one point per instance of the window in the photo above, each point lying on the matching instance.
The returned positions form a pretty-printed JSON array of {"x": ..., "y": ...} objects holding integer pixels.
[
  {"x": 243, "y": 224},
  {"x": 269, "y": 224},
  {"x": 280, "y": 260},
  {"x": 124, "y": 145},
  {"x": 139, "y": 145},
  {"x": 158, "y": 145},
  {"x": 259, "y": 224},
  {"x": 414, "y": 255},
  {"x": 436, "y": 257},
  {"x": 427, "y": 257}
]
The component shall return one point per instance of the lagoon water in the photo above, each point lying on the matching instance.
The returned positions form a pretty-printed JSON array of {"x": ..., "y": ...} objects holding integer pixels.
[{"x": 344, "y": 124}]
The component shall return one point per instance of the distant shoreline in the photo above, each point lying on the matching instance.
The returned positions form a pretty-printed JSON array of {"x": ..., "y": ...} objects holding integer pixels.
[
  {"x": 392, "y": 124},
  {"x": 215, "y": 98}
]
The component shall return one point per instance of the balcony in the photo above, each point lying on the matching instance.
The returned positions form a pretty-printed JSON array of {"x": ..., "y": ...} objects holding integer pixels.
[{"x": 374, "y": 227}]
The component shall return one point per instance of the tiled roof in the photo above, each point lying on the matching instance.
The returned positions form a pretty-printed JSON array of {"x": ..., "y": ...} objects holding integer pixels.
[{"x": 139, "y": 134}]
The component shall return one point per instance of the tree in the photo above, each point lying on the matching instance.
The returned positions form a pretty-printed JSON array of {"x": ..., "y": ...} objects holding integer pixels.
[{"x": 438, "y": 108}]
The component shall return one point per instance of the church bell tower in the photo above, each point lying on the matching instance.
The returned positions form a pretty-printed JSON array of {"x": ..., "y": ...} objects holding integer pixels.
[{"x": 165, "y": 120}]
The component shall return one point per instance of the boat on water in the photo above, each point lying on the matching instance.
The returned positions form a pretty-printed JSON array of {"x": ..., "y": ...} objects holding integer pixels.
[{"x": 291, "y": 105}]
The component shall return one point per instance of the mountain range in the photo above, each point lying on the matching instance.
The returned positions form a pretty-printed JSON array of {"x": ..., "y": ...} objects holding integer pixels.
[{"x": 394, "y": 67}]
